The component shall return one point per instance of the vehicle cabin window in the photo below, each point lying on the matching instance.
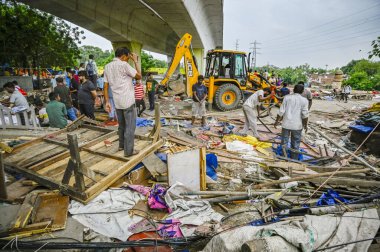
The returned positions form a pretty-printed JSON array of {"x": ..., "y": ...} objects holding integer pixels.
[
  {"x": 210, "y": 68},
  {"x": 239, "y": 65},
  {"x": 226, "y": 66}
]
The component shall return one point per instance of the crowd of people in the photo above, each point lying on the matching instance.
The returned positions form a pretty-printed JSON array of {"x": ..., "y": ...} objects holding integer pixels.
[{"x": 75, "y": 93}]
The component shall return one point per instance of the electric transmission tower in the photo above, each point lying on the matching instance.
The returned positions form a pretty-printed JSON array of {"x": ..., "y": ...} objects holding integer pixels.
[{"x": 254, "y": 49}]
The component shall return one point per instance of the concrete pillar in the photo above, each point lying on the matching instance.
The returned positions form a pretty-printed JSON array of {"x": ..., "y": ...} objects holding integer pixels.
[
  {"x": 134, "y": 46},
  {"x": 199, "y": 55}
]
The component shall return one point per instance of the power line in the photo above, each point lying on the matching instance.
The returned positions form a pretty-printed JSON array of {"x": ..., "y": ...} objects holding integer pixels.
[
  {"x": 318, "y": 50},
  {"x": 337, "y": 30},
  {"x": 329, "y": 22},
  {"x": 326, "y": 43}
]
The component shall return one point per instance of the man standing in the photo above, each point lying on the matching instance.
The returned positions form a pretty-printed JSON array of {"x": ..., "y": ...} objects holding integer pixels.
[
  {"x": 294, "y": 115},
  {"x": 86, "y": 95},
  {"x": 65, "y": 98},
  {"x": 346, "y": 90},
  {"x": 151, "y": 89},
  {"x": 92, "y": 69},
  {"x": 251, "y": 110},
  {"x": 306, "y": 94},
  {"x": 139, "y": 96},
  {"x": 74, "y": 86},
  {"x": 118, "y": 75},
  {"x": 56, "y": 111},
  {"x": 199, "y": 101}
]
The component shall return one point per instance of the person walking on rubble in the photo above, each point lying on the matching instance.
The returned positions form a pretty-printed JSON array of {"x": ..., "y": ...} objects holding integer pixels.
[
  {"x": 199, "y": 101},
  {"x": 151, "y": 87},
  {"x": 251, "y": 110},
  {"x": 118, "y": 74},
  {"x": 346, "y": 90},
  {"x": 294, "y": 114}
]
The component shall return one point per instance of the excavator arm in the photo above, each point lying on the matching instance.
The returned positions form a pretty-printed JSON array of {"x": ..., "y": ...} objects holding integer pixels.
[{"x": 183, "y": 50}]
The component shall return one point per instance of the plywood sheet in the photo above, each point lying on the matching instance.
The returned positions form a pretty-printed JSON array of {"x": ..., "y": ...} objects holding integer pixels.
[{"x": 184, "y": 167}]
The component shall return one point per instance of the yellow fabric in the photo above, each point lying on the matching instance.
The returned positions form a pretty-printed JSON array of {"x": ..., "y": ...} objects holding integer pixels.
[
  {"x": 248, "y": 139},
  {"x": 375, "y": 107}
]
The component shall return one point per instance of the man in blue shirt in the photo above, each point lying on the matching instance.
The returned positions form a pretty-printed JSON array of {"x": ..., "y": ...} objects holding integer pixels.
[
  {"x": 199, "y": 98},
  {"x": 284, "y": 90}
]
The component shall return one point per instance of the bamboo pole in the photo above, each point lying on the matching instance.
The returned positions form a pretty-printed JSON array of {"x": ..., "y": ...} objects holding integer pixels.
[{"x": 301, "y": 178}]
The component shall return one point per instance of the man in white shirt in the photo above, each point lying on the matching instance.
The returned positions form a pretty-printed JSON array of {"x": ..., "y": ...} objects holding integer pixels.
[
  {"x": 17, "y": 102},
  {"x": 346, "y": 90},
  {"x": 118, "y": 74},
  {"x": 294, "y": 114},
  {"x": 251, "y": 109}
]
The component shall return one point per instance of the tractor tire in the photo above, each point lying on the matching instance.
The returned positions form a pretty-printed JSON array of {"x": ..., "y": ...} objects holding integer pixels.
[{"x": 227, "y": 97}]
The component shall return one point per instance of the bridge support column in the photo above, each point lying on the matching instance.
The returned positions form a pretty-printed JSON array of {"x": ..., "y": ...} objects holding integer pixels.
[
  {"x": 134, "y": 46},
  {"x": 199, "y": 55}
]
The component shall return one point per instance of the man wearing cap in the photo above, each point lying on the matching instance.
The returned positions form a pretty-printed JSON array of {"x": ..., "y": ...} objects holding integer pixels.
[
  {"x": 118, "y": 74},
  {"x": 199, "y": 98}
]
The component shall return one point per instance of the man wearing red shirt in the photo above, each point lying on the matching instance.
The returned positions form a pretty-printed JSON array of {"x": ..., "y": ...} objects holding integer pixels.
[{"x": 139, "y": 97}]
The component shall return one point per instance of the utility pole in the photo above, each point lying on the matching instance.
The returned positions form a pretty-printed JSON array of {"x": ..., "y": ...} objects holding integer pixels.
[
  {"x": 254, "y": 52},
  {"x": 237, "y": 45}
]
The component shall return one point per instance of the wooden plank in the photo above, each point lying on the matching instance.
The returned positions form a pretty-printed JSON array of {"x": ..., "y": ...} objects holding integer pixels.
[
  {"x": 51, "y": 206},
  {"x": 125, "y": 159},
  {"x": 97, "y": 128},
  {"x": 155, "y": 165},
  {"x": 25, "y": 211},
  {"x": 202, "y": 159},
  {"x": 120, "y": 171},
  {"x": 50, "y": 161},
  {"x": 17, "y": 189},
  {"x": 75, "y": 159},
  {"x": 40, "y": 158},
  {"x": 47, "y": 181}
]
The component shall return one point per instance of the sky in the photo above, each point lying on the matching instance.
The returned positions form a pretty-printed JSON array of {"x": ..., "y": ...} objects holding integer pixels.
[{"x": 294, "y": 32}]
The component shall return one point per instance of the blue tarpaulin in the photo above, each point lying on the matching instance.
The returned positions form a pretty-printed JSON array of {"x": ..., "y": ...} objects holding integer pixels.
[
  {"x": 211, "y": 165},
  {"x": 361, "y": 128},
  {"x": 330, "y": 197}
]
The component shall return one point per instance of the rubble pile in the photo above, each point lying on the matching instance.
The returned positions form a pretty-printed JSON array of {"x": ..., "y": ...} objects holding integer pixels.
[{"x": 213, "y": 189}]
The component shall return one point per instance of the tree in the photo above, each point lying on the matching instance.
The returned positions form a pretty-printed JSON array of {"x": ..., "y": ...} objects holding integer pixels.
[
  {"x": 29, "y": 37},
  {"x": 375, "y": 48},
  {"x": 101, "y": 57},
  {"x": 147, "y": 62},
  {"x": 349, "y": 67}
]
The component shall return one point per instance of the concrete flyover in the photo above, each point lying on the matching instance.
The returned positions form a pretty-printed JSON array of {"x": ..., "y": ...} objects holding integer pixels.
[{"x": 154, "y": 25}]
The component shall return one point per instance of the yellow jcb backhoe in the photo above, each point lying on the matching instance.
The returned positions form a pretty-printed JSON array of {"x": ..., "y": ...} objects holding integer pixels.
[{"x": 226, "y": 75}]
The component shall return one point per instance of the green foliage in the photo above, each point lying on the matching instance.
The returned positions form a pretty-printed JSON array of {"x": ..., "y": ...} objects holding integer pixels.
[
  {"x": 293, "y": 75},
  {"x": 29, "y": 37},
  {"x": 363, "y": 74},
  {"x": 348, "y": 68},
  {"x": 375, "y": 49},
  {"x": 371, "y": 68},
  {"x": 147, "y": 62},
  {"x": 101, "y": 57}
]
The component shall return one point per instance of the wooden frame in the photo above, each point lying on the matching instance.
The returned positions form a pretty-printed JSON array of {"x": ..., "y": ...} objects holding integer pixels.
[{"x": 78, "y": 163}]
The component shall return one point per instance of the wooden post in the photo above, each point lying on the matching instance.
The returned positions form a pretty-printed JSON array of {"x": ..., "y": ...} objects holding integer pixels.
[
  {"x": 76, "y": 162},
  {"x": 3, "y": 187},
  {"x": 155, "y": 134}
]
